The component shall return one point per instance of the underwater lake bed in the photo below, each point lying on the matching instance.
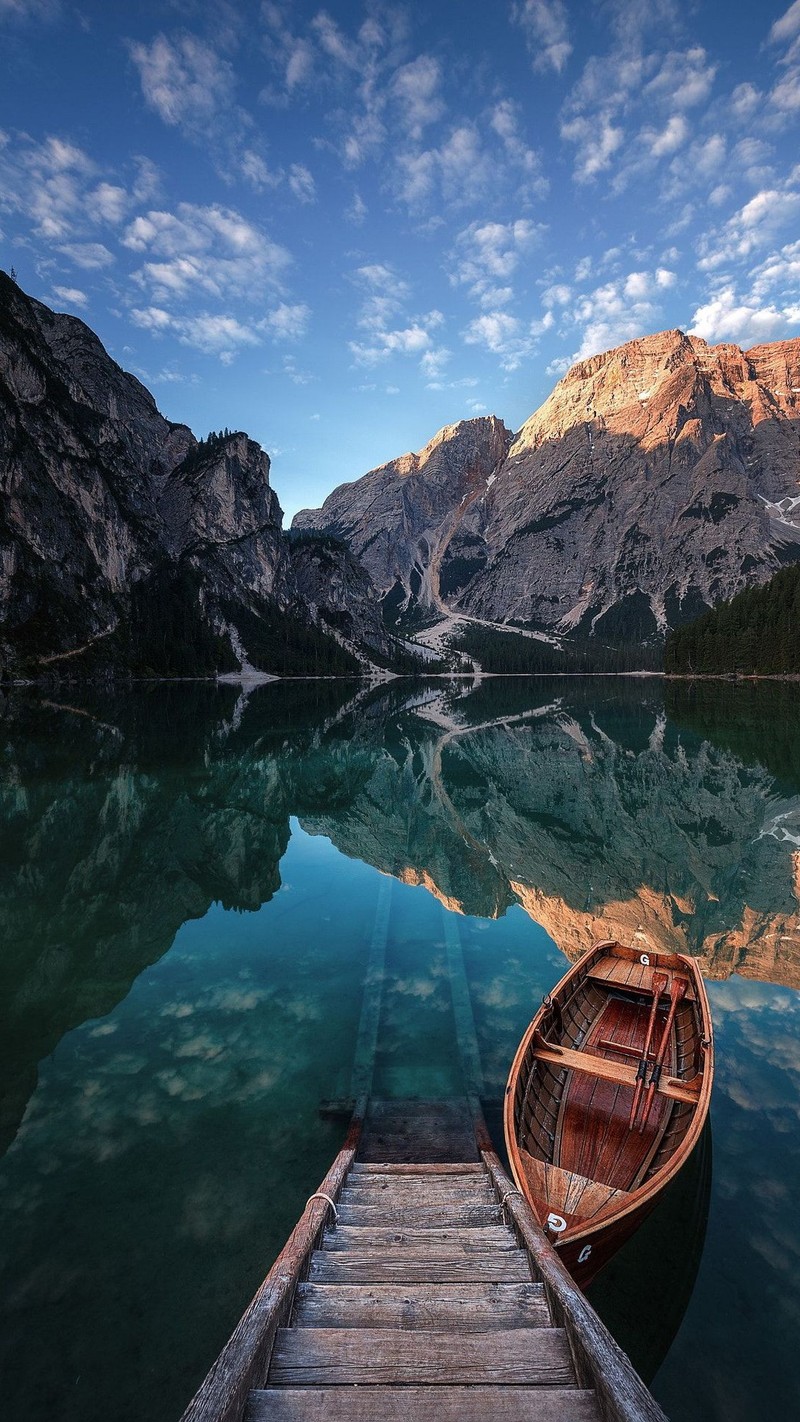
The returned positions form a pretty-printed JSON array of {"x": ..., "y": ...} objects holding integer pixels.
[{"x": 194, "y": 882}]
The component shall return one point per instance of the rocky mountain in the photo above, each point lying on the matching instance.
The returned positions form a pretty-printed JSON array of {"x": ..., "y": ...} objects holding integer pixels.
[
  {"x": 657, "y": 479},
  {"x": 126, "y": 544}
]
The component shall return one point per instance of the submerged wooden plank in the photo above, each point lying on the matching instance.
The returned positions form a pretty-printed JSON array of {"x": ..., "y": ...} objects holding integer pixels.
[
  {"x": 465, "y": 1308},
  {"x": 371, "y": 1237},
  {"x": 427, "y": 1131},
  {"x": 423, "y": 1404},
  {"x": 367, "y": 1039},
  {"x": 336, "y": 1357},
  {"x": 466, "y": 1036},
  {"x": 420, "y": 1267}
]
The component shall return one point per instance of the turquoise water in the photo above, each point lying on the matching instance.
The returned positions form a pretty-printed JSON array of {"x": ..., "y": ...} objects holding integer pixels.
[{"x": 192, "y": 884}]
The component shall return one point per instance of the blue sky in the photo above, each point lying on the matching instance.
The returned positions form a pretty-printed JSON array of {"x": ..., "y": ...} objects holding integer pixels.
[{"x": 340, "y": 228}]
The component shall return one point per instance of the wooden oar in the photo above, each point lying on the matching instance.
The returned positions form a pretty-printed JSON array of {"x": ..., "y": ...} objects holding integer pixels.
[
  {"x": 677, "y": 993},
  {"x": 659, "y": 984}
]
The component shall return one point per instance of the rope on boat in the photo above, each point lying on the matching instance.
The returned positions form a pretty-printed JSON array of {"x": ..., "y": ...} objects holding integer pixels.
[{"x": 320, "y": 1195}]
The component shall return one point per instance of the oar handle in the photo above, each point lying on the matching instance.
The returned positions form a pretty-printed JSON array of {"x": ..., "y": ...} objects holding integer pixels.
[
  {"x": 659, "y": 984},
  {"x": 677, "y": 993}
]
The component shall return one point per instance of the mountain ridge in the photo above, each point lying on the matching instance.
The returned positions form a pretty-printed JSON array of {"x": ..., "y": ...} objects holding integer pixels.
[
  {"x": 656, "y": 479},
  {"x": 127, "y": 546}
]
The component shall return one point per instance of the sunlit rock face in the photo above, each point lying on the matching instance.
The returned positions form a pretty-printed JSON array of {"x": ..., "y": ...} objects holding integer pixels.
[
  {"x": 415, "y": 523},
  {"x": 657, "y": 479},
  {"x": 124, "y": 543}
]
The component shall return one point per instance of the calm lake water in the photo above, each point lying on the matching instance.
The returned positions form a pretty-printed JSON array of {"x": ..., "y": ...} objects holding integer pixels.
[{"x": 190, "y": 882}]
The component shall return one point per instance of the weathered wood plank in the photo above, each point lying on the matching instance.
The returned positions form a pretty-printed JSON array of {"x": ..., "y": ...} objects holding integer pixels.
[
  {"x": 423, "y": 1404},
  {"x": 411, "y": 1191},
  {"x": 423, "y": 1267},
  {"x": 465, "y": 1308},
  {"x": 371, "y": 1237},
  {"x": 347, "y": 1357},
  {"x": 442, "y": 1167},
  {"x": 421, "y": 1216}
]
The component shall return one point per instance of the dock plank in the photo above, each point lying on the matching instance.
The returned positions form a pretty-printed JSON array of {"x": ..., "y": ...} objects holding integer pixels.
[
  {"x": 421, "y": 1216},
  {"x": 422, "y": 1266},
  {"x": 344, "y": 1357},
  {"x": 371, "y": 1237},
  {"x": 423, "y": 1404},
  {"x": 464, "y": 1308}
]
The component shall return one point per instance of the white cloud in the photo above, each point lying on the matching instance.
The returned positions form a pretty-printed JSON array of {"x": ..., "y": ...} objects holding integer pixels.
[
  {"x": 506, "y": 336},
  {"x": 684, "y": 79},
  {"x": 505, "y": 120},
  {"x": 753, "y": 226},
  {"x": 596, "y": 141},
  {"x": 302, "y": 184},
  {"x": 546, "y": 27},
  {"x": 108, "y": 203},
  {"x": 487, "y": 253},
  {"x": 727, "y": 317},
  {"x": 416, "y": 90},
  {"x": 71, "y": 295},
  {"x": 90, "y": 256},
  {"x": 787, "y": 26},
  {"x": 184, "y": 81},
  {"x": 287, "y": 322},
  {"x": 213, "y": 249},
  {"x": 210, "y": 333},
  {"x": 669, "y": 139}
]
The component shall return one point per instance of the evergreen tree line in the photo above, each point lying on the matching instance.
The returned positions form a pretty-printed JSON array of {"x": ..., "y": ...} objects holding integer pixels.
[
  {"x": 509, "y": 654},
  {"x": 757, "y": 633}
]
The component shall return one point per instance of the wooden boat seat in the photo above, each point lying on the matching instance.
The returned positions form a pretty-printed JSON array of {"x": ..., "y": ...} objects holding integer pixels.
[
  {"x": 620, "y": 1072},
  {"x": 568, "y": 1194},
  {"x": 630, "y": 974}
]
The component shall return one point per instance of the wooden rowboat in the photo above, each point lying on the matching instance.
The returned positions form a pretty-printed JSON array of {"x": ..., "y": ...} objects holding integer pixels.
[{"x": 607, "y": 1097}]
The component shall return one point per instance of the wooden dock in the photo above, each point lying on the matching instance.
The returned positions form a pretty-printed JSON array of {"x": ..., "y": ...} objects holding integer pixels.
[{"x": 424, "y": 1289}]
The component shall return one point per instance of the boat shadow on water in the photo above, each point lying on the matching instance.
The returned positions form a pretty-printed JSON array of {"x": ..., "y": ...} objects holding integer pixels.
[{"x": 643, "y": 1293}]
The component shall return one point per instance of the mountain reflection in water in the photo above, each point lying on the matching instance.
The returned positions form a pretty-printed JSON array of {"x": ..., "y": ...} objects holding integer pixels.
[{"x": 187, "y": 905}]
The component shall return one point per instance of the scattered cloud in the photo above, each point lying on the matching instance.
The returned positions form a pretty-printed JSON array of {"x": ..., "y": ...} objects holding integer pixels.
[
  {"x": 416, "y": 90},
  {"x": 186, "y": 83},
  {"x": 753, "y": 226},
  {"x": 546, "y": 27},
  {"x": 728, "y": 317},
  {"x": 210, "y": 333},
  {"x": 71, "y": 295},
  {"x": 212, "y": 249},
  {"x": 286, "y": 322},
  {"x": 488, "y": 254},
  {"x": 302, "y": 184}
]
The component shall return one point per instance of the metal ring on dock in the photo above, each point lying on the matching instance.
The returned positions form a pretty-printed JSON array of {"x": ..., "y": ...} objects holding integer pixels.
[{"x": 320, "y": 1195}]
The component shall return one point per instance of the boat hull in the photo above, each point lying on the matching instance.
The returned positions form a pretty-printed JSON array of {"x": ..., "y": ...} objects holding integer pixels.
[{"x": 589, "y": 1177}]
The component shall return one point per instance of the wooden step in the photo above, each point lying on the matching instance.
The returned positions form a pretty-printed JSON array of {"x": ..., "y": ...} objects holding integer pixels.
[
  {"x": 422, "y": 1404},
  {"x": 464, "y": 1308},
  {"x": 420, "y": 1216},
  {"x": 450, "y": 1167},
  {"x": 371, "y": 1237},
  {"x": 414, "y": 1194},
  {"x": 349, "y": 1357},
  {"x": 419, "y": 1266}
]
